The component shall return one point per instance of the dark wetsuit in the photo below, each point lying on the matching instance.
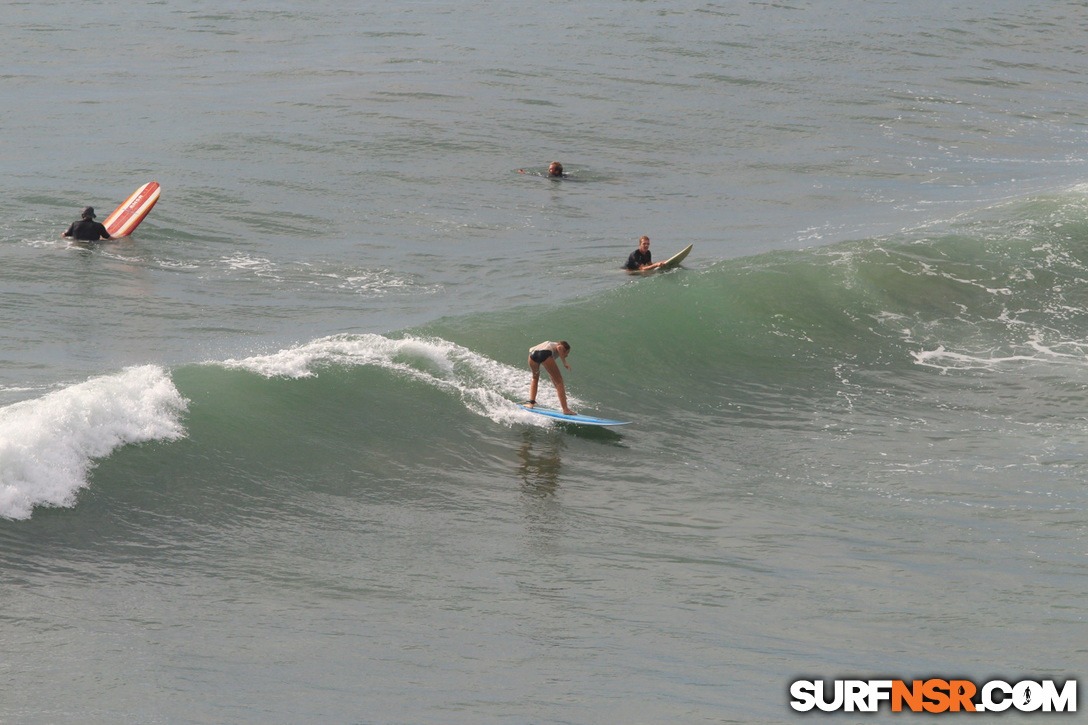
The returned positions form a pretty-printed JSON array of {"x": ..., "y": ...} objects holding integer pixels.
[
  {"x": 637, "y": 259},
  {"x": 87, "y": 230}
]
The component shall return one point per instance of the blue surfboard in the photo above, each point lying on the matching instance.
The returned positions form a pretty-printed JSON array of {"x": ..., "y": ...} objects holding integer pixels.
[{"x": 577, "y": 419}]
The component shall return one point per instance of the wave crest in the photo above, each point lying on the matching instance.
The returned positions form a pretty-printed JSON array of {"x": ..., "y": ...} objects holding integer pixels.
[{"x": 48, "y": 445}]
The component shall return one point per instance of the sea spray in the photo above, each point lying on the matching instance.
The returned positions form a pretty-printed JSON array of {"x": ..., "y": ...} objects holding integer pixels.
[
  {"x": 48, "y": 446},
  {"x": 486, "y": 386}
]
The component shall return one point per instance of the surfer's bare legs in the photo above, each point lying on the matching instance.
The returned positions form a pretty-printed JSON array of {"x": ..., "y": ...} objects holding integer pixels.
[
  {"x": 534, "y": 367},
  {"x": 557, "y": 381}
]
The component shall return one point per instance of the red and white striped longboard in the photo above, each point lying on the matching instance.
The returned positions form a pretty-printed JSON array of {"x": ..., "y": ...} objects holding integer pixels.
[{"x": 128, "y": 216}]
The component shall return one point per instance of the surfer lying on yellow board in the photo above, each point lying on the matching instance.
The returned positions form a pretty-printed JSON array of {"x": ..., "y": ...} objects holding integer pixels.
[
  {"x": 545, "y": 354},
  {"x": 640, "y": 259}
]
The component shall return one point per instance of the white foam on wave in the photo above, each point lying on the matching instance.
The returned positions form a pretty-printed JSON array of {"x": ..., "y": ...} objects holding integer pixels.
[
  {"x": 484, "y": 385},
  {"x": 49, "y": 445},
  {"x": 946, "y": 360},
  {"x": 332, "y": 277},
  {"x": 257, "y": 265}
]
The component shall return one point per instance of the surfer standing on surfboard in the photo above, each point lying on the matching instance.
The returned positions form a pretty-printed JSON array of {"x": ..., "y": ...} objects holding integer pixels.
[
  {"x": 545, "y": 354},
  {"x": 87, "y": 229},
  {"x": 640, "y": 258}
]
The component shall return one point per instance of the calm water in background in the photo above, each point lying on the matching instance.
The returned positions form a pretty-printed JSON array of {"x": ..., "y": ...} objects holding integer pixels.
[{"x": 259, "y": 463}]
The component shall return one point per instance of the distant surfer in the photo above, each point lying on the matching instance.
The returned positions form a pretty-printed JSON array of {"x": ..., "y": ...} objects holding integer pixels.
[
  {"x": 555, "y": 171},
  {"x": 545, "y": 354},
  {"x": 87, "y": 229},
  {"x": 640, "y": 259}
]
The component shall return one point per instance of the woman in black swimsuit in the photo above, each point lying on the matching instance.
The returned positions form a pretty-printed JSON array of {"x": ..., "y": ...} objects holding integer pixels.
[{"x": 545, "y": 354}]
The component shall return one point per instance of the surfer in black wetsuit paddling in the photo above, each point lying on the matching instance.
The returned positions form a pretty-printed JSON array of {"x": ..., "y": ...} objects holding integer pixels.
[
  {"x": 640, "y": 258},
  {"x": 87, "y": 229},
  {"x": 555, "y": 171}
]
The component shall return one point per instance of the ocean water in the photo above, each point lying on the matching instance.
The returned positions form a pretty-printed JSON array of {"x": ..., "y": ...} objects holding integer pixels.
[{"x": 261, "y": 462}]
